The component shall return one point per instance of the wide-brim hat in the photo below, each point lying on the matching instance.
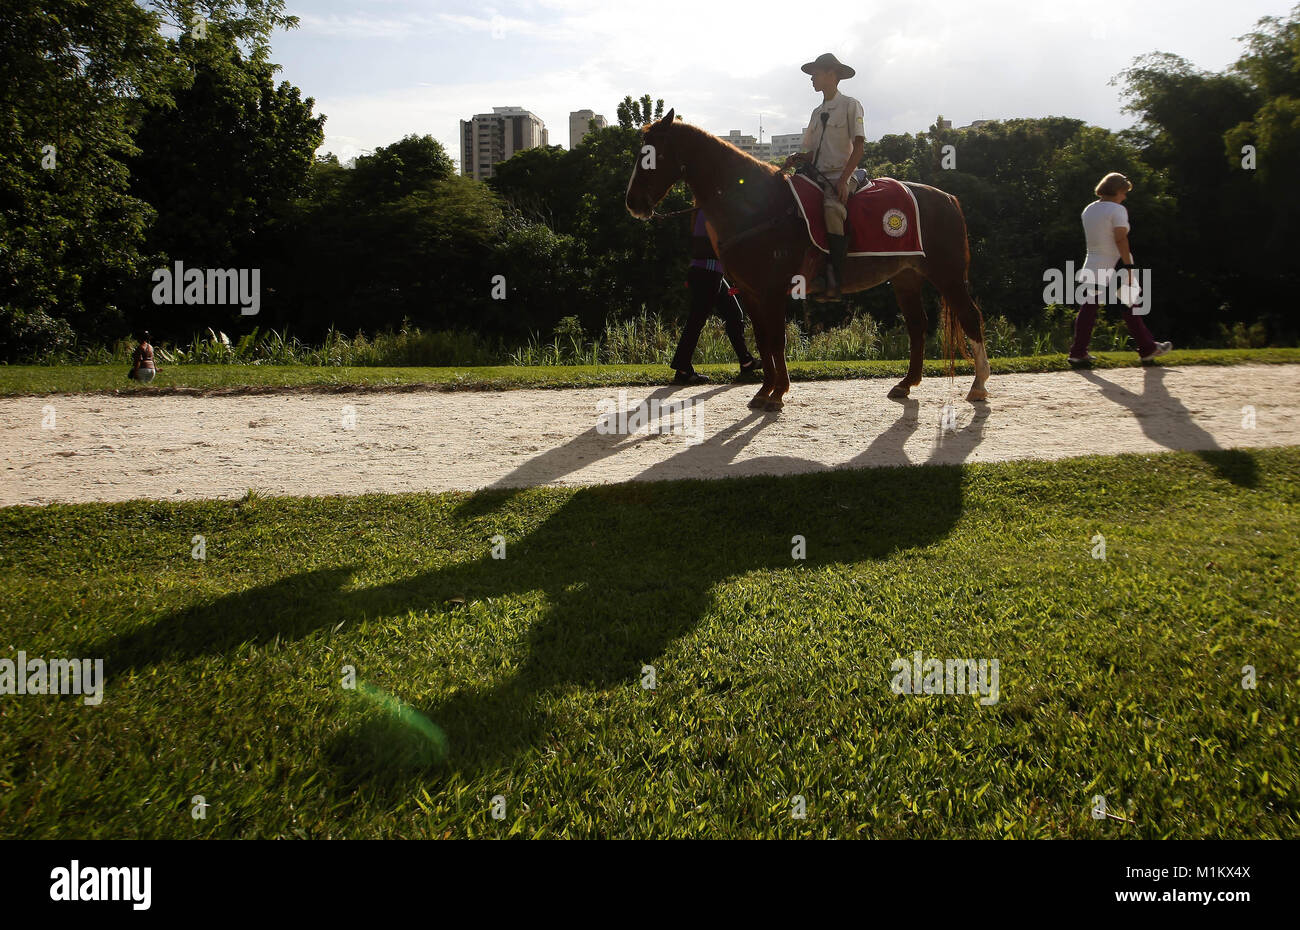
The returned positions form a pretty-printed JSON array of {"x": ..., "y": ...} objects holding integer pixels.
[{"x": 827, "y": 61}]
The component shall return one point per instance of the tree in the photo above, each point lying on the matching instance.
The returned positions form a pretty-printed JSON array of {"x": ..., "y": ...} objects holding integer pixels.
[
  {"x": 633, "y": 114},
  {"x": 543, "y": 184},
  {"x": 1266, "y": 146},
  {"x": 76, "y": 79},
  {"x": 221, "y": 163},
  {"x": 71, "y": 77},
  {"x": 627, "y": 264},
  {"x": 393, "y": 171},
  {"x": 364, "y": 254},
  {"x": 1184, "y": 115},
  {"x": 249, "y": 22}
]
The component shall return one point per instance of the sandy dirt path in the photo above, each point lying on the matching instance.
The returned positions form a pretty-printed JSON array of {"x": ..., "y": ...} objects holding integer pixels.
[{"x": 106, "y": 448}]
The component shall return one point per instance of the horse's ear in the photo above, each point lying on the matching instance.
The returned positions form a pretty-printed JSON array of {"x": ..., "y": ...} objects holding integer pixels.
[{"x": 668, "y": 118}]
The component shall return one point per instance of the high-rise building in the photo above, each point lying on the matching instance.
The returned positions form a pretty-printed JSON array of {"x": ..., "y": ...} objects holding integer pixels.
[
  {"x": 493, "y": 137},
  {"x": 580, "y": 123}
]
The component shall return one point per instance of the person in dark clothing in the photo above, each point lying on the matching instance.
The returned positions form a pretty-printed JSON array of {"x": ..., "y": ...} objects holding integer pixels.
[{"x": 709, "y": 292}]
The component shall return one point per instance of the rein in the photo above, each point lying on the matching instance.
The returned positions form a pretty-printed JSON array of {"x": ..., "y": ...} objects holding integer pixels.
[
  {"x": 727, "y": 243},
  {"x": 730, "y": 241},
  {"x": 663, "y": 216}
]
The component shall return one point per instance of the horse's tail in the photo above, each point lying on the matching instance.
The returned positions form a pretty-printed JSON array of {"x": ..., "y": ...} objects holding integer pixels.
[{"x": 952, "y": 331}]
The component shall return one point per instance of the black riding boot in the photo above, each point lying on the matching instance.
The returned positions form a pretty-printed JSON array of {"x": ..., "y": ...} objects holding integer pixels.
[{"x": 839, "y": 248}]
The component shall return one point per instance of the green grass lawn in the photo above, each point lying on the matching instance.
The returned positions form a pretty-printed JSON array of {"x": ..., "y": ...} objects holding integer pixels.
[
  {"x": 39, "y": 379},
  {"x": 522, "y": 677}
]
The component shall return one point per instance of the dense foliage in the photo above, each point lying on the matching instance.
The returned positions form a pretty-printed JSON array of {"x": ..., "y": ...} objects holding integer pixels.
[{"x": 134, "y": 136}]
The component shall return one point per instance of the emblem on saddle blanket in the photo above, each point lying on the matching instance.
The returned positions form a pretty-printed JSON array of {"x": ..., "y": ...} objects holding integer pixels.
[{"x": 883, "y": 217}]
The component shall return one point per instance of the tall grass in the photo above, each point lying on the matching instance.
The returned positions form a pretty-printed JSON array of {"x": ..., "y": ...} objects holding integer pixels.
[
  {"x": 645, "y": 338},
  {"x": 649, "y": 339},
  {"x": 408, "y": 346}
]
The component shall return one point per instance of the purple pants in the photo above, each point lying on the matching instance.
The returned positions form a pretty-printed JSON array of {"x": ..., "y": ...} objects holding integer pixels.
[{"x": 1087, "y": 319}]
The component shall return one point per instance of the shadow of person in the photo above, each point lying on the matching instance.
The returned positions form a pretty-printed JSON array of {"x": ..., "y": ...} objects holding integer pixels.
[
  {"x": 714, "y": 457},
  {"x": 587, "y": 448},
  {"x": 1164, "y": 419},
  {"x": 616, "y": 573}
]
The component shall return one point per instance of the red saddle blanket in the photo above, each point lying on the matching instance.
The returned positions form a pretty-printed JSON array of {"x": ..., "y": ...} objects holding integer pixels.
[{"x": 883, "y": 218}]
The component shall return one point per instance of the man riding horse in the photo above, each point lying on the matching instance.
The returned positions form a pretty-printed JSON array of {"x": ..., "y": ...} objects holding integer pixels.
[
  {"x": 831, "y": 149},
  {"x": 757, "y": 229}
]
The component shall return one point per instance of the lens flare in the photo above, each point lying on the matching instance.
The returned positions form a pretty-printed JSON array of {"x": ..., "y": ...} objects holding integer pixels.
[{"x": 409, "y": 716}]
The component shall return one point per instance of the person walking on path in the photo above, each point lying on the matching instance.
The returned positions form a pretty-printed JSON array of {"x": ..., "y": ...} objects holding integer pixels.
[
  {"x": 709, "y": 292},
  {"x": 1106, "y": 227}
]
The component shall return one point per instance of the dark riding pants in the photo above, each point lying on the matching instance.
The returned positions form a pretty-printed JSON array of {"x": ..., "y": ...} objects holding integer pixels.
[
  {"x": 1087, "y": 319},
  {"x": 709, "y": 293}
]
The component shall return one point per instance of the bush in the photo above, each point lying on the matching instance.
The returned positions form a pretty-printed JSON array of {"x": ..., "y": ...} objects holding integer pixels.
[
  {"x": 33, "y": 334},
  {"x": 1243, "y": 337}
]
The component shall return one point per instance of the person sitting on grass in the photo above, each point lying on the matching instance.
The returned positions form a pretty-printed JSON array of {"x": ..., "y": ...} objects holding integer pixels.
[
  {"x": 1106, "y": 226},
  {"x": 142, "y": 365},
  {"x": 709, "y": 291}
]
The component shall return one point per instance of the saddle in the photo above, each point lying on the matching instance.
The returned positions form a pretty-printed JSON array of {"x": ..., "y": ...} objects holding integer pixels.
[{"x": 883, "y": 218}]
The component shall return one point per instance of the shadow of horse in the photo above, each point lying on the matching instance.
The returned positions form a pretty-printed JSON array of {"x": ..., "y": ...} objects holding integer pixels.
[
  {"x": 1174, "y": 428},
  {"x": 625, "y": 571}
]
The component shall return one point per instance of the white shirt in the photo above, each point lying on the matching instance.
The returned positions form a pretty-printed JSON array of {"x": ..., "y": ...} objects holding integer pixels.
[
  {"x": 846, "y": 122},
  {"x": 1100, "y": 220}
]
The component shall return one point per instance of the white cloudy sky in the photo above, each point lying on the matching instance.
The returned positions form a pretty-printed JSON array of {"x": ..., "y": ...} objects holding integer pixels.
[{"x": 380, "y": 69}]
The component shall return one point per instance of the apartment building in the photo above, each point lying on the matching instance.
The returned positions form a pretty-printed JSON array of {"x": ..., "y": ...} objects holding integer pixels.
[
  {"x": 489, "y": 138},
  {"x": 581, "y": 123}
]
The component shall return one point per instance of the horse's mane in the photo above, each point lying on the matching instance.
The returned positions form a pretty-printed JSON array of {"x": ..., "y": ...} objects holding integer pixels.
[{"x": 746, "y": 162}]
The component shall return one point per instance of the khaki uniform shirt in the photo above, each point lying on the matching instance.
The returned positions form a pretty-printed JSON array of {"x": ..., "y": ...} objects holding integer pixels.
[{"x": 846, "y": 122}]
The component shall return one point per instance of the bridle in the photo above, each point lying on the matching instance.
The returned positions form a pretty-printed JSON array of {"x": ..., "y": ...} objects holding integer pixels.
[
  {"x": 681, "y": 175},
  {"x": 730, "y": 241}
]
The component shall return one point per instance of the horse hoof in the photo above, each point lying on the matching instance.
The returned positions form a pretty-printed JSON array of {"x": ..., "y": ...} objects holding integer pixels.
[
  {"x": 758, "y": 401},
  {"x": 977, "y": 394},
  {"x": 898, "y": 392},
  {"x": 772, "y": 406}
]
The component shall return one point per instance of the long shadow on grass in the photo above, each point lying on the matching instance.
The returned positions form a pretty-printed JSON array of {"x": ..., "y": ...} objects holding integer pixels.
[
  {"x": 629, "y": 569},
  {"x": 1164, "y": 419},
  {"x": 624, "y": 570}
]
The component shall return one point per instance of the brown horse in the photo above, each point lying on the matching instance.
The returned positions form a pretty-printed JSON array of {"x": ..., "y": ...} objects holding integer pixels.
[{"x": 761, "y": 239}]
